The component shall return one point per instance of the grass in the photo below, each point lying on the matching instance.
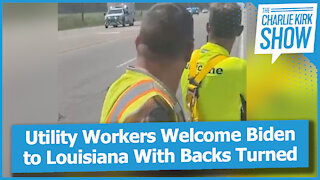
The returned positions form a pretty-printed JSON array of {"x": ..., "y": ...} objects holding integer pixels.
[{"x": 72, "y": 21}]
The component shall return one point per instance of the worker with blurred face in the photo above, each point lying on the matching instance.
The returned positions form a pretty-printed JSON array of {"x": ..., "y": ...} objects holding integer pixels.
[
  {"x": 214, "y": 83},
  {"x": 146, "y": 92}
]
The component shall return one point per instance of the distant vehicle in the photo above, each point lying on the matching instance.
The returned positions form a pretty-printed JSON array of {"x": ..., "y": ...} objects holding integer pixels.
[
  {"x": 120, "y": 14},
  {"x": 189, "y": 9},
  {"x": 195, "y": 10},
  {"x": 205, "y": 10}
]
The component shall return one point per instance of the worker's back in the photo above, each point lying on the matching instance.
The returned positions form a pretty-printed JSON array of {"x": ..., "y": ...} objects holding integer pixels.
[{"x": 219, "y": 92}]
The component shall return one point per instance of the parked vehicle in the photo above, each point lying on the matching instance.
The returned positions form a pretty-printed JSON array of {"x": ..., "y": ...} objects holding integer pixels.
[
  {"x": 205, "y": 10},
  {"x": 120, "y": 14}
]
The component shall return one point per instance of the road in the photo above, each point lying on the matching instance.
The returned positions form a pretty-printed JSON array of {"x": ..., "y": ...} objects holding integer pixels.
[{"x": 90, "y": 59}]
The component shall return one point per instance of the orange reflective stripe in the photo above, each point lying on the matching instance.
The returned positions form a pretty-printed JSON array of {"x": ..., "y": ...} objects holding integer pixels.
[
  {"x": 165, "y": 96},
  {"x": 140, "y": 96},
  {"x": 122, "y": 95}
]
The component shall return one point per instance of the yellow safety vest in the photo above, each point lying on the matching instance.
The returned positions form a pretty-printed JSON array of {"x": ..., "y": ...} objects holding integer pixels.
[
  {"x": 130, "y": 92},
  {"x": 195, "y": 81},
  {"x": 213, "y": 84}
]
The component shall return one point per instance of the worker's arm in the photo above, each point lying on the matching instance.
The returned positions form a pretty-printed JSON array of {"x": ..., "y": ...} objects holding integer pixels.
[
  {"x": 156, "y": 109},
  {"x": 243, "y": 89},
  {"x": 243, "y": 79}
]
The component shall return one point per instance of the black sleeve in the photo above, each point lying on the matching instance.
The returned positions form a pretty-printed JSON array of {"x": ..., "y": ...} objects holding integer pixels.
[{"x": 161, "y": 112}]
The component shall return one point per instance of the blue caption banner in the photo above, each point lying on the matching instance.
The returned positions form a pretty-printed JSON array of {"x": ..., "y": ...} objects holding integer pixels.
[{"x": 159, "y": 146}]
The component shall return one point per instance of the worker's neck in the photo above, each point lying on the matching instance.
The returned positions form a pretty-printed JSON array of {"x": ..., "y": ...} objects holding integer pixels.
[
  {"x": 167, "y": 74},
  {"x": 226, "y": 43}
]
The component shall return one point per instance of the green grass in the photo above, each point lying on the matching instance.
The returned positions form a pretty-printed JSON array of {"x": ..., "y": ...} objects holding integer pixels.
[
  {"x": 72, "y": 21},
  {"x": 139, "y": 15}
]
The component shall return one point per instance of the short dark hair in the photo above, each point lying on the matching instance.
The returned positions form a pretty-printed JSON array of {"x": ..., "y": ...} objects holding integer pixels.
[
  {"x": 225, "y": 20},
  {"x": 167, "y": 30}
]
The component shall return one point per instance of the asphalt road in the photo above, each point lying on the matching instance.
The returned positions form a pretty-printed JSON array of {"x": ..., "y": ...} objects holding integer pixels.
[{"x": 90, "y": 59}]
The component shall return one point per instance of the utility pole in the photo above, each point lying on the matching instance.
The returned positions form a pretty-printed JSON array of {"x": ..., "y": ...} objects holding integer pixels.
[{"x": 82, "y": 12}]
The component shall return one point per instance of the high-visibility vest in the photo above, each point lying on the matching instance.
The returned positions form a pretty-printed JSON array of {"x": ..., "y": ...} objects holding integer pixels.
[
  {"x": 130, "y": 92},
  {"x": 219, "y": 94},
  {"x": 195, "y": 81}
]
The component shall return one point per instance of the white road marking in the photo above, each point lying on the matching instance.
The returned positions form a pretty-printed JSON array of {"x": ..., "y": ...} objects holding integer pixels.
[
  {"x": 104, "y": 33},
  {"x": 127, "y": 62}
]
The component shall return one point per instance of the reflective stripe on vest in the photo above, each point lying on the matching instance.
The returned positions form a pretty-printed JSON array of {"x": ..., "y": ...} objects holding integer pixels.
[{"x": 134, "y": 93}]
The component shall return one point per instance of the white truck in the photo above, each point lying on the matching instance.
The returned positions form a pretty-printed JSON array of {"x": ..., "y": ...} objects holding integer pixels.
[{"x": 120, "y": 14}]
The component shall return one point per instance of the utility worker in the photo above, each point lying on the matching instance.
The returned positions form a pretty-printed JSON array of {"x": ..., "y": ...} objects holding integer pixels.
[
  {"x": 146, "y": 92},
  {"x": 214, "y": 83}
]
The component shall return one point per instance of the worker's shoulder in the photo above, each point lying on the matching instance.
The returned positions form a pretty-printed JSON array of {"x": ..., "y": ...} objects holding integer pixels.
[
  {"x": 121, "y": 83},
  {"x": 195, "y": 53},
  {"x": 126, "y": 80},
  {"x": 155, "y": 109},
  {"x": 235, "y": 62}
]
